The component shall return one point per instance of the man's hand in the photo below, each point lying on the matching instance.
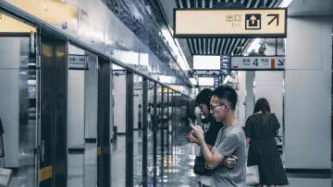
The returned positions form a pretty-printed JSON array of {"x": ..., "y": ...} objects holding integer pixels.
[
  {"x": 230, "y": 162},
  {"x": 198, "y": 133},
  {"x": 189, "y": 137}
]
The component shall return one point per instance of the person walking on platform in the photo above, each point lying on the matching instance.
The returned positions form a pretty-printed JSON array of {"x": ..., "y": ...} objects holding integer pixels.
[
  {"x": 261, "y": 128},
  {"x": 230, "y": 141}
]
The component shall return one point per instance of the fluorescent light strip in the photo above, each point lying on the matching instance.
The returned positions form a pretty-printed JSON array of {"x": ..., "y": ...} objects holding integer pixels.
[
  {"x": 254, "y": 45},
  {"x": 285, "y": 3},
  {"x": 226, "y": 80}
]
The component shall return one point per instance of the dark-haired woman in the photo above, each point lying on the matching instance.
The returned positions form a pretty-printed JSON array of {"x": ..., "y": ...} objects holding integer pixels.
[{"x": 261, "y": 128}]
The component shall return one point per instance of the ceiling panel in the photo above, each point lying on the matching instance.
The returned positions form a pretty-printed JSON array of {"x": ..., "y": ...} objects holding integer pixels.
[
  {"x": 218, "y": 46},
  {"x": 310, "y": 8}
]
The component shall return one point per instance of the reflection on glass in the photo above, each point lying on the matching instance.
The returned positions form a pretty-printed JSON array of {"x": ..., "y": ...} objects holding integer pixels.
[
  {"x": 137, "y": 119},
  {"x": 27, "y": 111},
  {"x": 76, "y": 116},
  {"x": 119, "y": 143},
  {"x": 150, "y": 149},
  {"x": 18, "y": 100}
]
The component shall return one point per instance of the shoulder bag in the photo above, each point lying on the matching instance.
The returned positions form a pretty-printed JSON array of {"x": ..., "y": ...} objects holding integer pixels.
[
  {"x": 200, "y": 167},
  {"x": 252, "y": 176}
]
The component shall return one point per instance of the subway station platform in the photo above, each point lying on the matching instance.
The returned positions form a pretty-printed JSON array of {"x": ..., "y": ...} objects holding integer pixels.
[{"x": 87, "y": 85}]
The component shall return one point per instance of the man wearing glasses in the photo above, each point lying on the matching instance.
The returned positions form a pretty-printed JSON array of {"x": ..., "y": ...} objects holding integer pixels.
[{"x": 230, "y": 140}]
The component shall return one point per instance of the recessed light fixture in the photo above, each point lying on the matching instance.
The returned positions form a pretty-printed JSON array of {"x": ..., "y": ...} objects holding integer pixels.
[{"x": 285, "y": 3}]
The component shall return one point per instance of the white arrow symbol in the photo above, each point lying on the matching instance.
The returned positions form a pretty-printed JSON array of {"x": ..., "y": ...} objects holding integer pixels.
[{"x": 253, "y": 19}]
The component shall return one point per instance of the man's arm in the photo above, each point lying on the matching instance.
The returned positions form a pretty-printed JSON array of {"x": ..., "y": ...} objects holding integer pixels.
[
  {"x": 225, "y": 149},
  {"x": 189, "y": 137},
  {"x": 212, "y": 159}
]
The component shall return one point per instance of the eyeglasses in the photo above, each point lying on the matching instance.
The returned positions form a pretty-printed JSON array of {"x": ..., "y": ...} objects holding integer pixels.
[{"x": 212, "y": 107}]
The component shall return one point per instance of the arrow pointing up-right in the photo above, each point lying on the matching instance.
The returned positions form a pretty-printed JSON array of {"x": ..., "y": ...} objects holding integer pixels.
[{"x": 275, "y": 17}]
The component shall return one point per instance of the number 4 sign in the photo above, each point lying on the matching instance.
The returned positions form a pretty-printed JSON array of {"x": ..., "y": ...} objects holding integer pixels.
[
  {"x": 255, "y": 62},
  {"x": 252, "y": 63}
]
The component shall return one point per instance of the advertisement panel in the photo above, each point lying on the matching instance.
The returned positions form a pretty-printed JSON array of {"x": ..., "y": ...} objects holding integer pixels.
[{"x": 63, "y": 15}]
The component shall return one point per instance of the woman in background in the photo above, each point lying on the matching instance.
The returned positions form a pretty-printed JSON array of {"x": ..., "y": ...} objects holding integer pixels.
[{"x": 261, "y": 128}]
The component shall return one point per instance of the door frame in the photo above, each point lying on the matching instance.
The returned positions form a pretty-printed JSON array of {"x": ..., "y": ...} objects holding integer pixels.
[
  {"x": 55, "y": 172},
  {"x": 103, "y": 124}
]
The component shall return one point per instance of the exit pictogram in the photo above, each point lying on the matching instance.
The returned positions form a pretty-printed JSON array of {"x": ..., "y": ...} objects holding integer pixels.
[{"x": 252, "y": 21}]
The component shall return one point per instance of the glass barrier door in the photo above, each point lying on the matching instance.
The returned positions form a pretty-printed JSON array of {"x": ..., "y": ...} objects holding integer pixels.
[{"x": 18, "y": 98}]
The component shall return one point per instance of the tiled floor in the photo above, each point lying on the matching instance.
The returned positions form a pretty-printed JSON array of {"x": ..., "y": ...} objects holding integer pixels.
[
  {"x": 176, "y": 172},
  {"x": 25, "y": 177},
  {"x": 185, "y": 154}
]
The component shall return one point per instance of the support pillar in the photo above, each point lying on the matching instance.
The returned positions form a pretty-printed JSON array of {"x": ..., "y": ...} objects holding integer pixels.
[
  {"x": 308, "y": 84},
  {"x": 249, "y": 98}
]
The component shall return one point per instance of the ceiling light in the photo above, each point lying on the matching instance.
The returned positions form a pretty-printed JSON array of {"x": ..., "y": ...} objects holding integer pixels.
[
  {"x": 225, "y": 81},
  {"x": 285, "y": 3},
  {"x": 254, "y": 45}
]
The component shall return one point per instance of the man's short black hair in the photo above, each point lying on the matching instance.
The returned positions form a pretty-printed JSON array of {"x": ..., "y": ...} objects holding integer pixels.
[
  {"x": 204, "y": 97},
  {"x": 227, "y": 93}
]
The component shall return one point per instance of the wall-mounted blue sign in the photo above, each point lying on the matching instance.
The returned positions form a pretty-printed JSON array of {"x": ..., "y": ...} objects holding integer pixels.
[
  {"x": 216, "y": 82},
  {"x": 225, "y": 62}
]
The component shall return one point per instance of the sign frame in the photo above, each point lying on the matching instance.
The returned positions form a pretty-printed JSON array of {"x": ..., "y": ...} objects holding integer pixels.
[
  {"x": 222, "y": 69},
  {"x": 262, "y": 69},
  {"x": 206, "y": 72},
  {"x": 251, "y": 35},
  {"x": 77, "y": 65},
  {"x": 213, "y": 72}
]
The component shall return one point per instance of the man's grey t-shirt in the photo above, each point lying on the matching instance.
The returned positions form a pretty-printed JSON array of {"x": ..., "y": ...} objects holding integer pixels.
[{"x": 230, "y": 141}]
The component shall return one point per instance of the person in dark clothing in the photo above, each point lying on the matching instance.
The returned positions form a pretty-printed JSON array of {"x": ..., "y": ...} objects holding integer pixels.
[
  {"x": 261, "y": 128},
  {"x": 140, "y": 117},
  {"x": 2, "y": 147},
  {"x": 202, "y": 101}
]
